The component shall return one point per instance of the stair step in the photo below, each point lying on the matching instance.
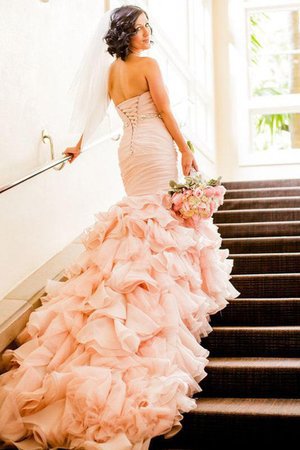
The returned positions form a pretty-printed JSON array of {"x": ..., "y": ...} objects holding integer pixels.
[
  {"x": 260, "y": 203},
  {"x": 259, "y": 312},
  {"x": 262, "y": 244},
  {"x": 236, "y": 421},
  {"x": 263, "y": 192},
  {"x": 250, "y": 263},
  {"x": 267, "y": 285},
  {"x": 259, "y": 229},
  {"x": 257, "y": 215},
  {"x": 282, "y": 341},
  {"x": 254, "y": 184},
  {"x": 260, "y": 407},
  {"x": 252, "y": 377},
  {"x": 253, "y": 345}
]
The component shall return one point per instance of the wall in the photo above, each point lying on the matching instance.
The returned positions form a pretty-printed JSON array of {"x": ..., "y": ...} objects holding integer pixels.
[{"x": 42, "y": 44}]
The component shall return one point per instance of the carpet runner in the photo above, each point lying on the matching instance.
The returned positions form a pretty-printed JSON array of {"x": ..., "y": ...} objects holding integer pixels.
[{"x": 251, "y": 395}]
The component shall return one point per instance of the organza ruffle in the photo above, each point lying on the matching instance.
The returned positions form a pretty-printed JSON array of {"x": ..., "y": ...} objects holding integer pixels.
[{"x": 113, "y": 355}]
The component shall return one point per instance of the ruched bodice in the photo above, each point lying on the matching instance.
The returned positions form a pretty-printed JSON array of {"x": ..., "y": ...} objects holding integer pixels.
[{"x": 147, "y": 152}]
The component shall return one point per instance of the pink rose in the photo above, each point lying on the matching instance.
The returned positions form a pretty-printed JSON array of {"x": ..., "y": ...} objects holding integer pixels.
[
  {"x": 209, "y": 191},
  {"x": 205, "y": 215},
  {"x": 167, "y": 201},
  {"x": 213, "y": 207},
  {"x": 177, "y": 200},
  {"x": 198, "y": 192},
  {"x": 220, "y": 191},
  {"x": 196, "y": 220}
]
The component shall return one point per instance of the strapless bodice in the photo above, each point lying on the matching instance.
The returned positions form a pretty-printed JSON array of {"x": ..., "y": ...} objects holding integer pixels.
[
  {"x": 136, "y": 109},
  {"x": 147, "y": 152}
]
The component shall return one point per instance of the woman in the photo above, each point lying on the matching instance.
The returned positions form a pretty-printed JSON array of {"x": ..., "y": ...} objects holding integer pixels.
[
  {"x": 112, "y": 357},
  {"x": 131, "y": 76}
]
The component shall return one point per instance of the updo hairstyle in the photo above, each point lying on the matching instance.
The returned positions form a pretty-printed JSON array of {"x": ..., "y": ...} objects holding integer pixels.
[{"x": 121, "y": 30}]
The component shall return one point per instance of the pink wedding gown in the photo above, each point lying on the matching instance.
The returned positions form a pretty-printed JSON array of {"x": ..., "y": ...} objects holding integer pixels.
[{"x": 112, "y": 357}]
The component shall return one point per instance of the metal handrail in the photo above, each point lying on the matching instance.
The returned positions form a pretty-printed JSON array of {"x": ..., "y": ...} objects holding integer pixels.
[
  {"x": 56, "y": 162},
  {"x": 46, "y": 137},
  {"x": 114, "y": 135}
]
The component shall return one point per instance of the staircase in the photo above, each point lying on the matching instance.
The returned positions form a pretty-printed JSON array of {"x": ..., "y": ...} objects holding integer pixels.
[{"x": 251, "y": 395}]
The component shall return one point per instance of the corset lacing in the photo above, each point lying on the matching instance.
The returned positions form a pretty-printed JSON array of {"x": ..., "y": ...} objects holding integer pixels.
[
  {"x": 131, "y": 112},
  {"x": 133, "y": 119}
]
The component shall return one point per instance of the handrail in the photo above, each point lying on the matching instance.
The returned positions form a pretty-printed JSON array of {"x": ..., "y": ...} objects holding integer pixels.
[
  {"x": 56, "y": 162},
  {"x": 32, "y": 174},
  {"x": 46, "y": 136}
]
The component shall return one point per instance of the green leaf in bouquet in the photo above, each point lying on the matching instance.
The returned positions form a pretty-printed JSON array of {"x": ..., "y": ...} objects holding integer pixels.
[
  {"x": 172, "y": 183},
  {"x": 190, "y": 180},
  {"x": 214, "y": 182},
  {"x": 189, "y": 143}
]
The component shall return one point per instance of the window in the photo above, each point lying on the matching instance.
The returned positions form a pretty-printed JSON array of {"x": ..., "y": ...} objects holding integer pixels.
[{"x": 273, "y": 80}]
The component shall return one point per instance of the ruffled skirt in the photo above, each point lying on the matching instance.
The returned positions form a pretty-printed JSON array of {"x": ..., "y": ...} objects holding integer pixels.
[{"x": 113, "y": 357}]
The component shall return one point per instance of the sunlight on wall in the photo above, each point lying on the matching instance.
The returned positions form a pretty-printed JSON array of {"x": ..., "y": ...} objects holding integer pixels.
[{"x": 42, "y": 45}]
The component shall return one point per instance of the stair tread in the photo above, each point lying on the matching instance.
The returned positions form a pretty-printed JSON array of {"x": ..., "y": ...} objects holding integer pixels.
[
  {"x": 254, "y": 362},
  {"x": 277, "y": 188},
  {"x": 267, "y": 275},
  {"x": 272, "y": 222},
  {"x": 260, "y": 238},
  {"x": 253, "y": 184},
  {"x": 257, "y": 328},
  {"x": 263, "y": 255},
  {"x": 255, "y": 210},
  {"x": 248, "y": 406},
  {"x": 262, "y": 299},
  {"x": 261, "y": 199}
]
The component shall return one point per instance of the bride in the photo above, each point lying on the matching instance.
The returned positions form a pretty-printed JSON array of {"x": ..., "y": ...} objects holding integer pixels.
[{"x": 113, "y": 357}]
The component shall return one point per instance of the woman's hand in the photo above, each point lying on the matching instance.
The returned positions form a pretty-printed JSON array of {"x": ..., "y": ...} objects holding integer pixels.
[
  {"x": 188, "y": 161},
  {"x": 73, "y": 151}
]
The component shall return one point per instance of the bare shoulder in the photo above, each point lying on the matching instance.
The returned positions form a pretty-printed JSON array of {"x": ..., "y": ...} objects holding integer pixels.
[
  {"x": 112, "y": 65},
  {"x": 150, "y": 59},
  {"x": 150, "y": 63}
]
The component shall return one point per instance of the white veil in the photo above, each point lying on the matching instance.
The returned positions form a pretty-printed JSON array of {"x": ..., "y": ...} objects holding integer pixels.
[{"x": 89, "y": 87}]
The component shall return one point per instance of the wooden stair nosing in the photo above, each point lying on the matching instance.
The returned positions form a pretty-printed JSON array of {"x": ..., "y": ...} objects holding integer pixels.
[
  {"x": 255, "y": 224},
  {"x": 237, "y": 204},
  {"x": 260, "y": 276},
  {"x": 252, "y": 184},
  {"x": 248, "y": 406},
  {"x": 263, "y": 189},
  {"x": 267, "y": 329},
  {"x": 253, "y": 362},
  {"x": 264, "y": 255}
]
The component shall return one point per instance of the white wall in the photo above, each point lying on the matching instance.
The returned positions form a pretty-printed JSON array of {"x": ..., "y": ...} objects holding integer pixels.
[{"x": 41, "y": 45}]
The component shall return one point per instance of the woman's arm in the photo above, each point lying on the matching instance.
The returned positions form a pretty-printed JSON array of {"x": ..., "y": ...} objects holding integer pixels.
[
  {"x": 161, "y": 100},
  {"x": 74, "y": 151},
  {"x": 78, "y": 145}
]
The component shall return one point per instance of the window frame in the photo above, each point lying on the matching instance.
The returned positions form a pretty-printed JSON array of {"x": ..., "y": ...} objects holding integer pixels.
[{"x": 287, "y": 103}]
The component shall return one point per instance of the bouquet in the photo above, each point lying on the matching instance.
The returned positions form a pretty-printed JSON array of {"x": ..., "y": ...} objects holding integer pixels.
[{"x": 196, "y": 199}]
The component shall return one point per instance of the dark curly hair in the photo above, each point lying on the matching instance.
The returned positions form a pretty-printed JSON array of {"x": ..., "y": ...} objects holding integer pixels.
[{"x": 121, "y": 29}]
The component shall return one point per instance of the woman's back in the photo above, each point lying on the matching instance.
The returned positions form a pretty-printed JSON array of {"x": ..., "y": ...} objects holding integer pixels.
[
  {"x": 127, "y": 79},
  {"x": 147, "y": 153}
]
